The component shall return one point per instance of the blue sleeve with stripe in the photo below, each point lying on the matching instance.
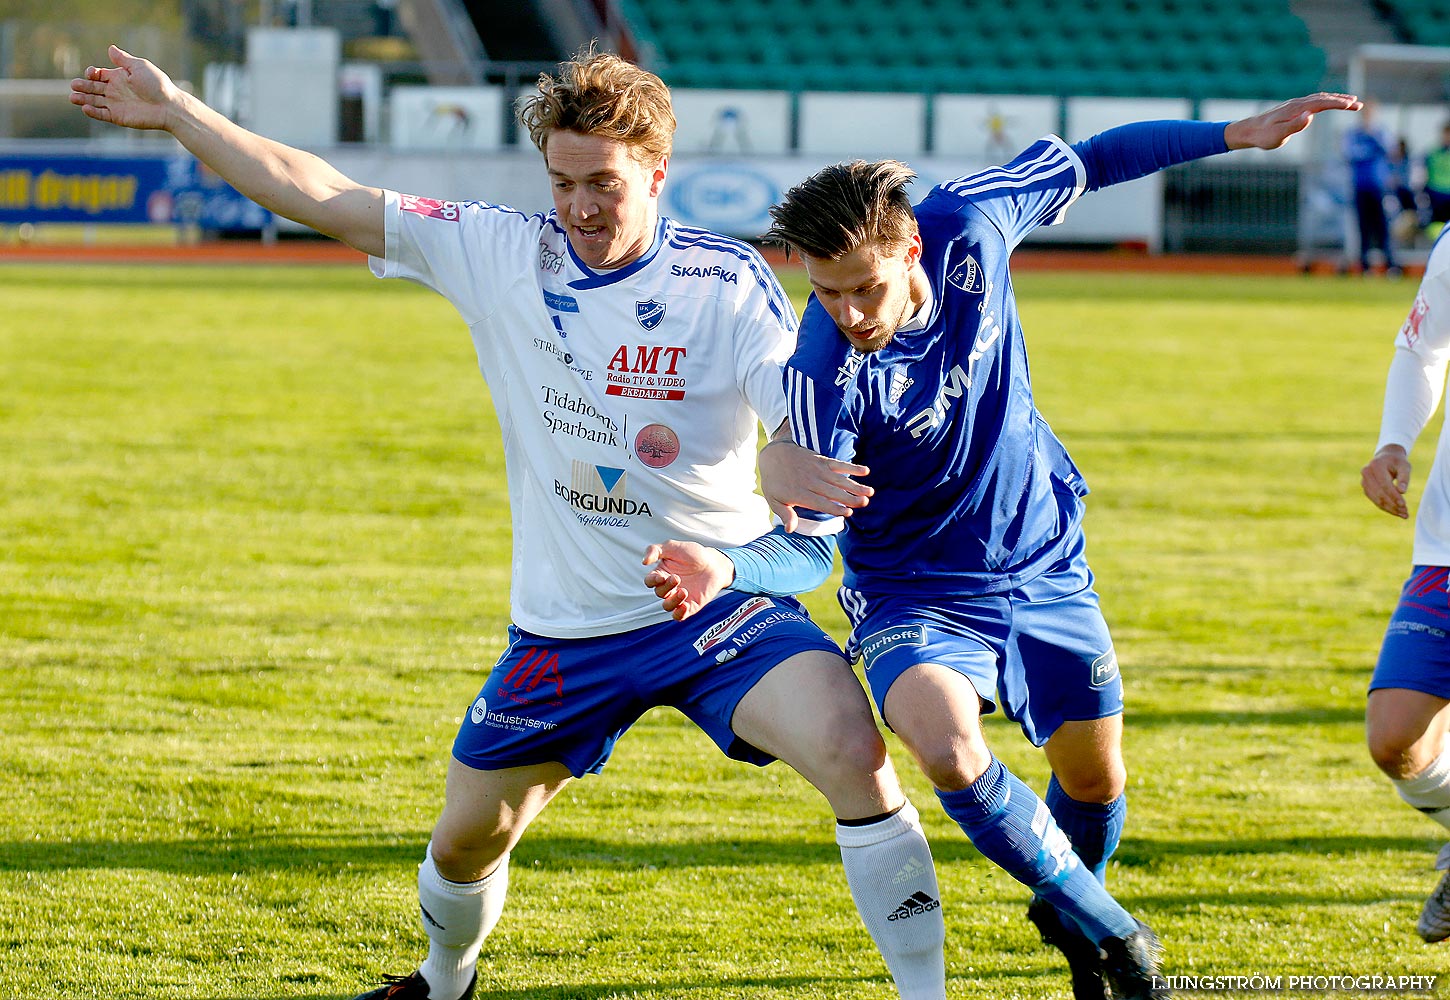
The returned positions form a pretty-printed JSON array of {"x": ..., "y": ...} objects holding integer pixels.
[
  {"x": 1017, "y": 197},
  {"x": 1128, "y": 152},
  {"x": 817, "y": 407},
  {"x": 782, "y": 564},
  {"x": 819, "y": 417}
]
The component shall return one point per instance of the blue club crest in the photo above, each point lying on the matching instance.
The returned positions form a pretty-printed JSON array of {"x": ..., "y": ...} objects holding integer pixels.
[
  {"x": 968, "y": 276},
  {"x": 649, "y": 313}
]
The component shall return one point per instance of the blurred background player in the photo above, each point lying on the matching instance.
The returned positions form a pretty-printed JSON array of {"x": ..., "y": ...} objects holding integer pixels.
[
  {"x": 1409, "y": 215},
  {"x": 1368, "y": 149},
  {"x": 1437, "y": 179},
  {"x": 965, "y": 580},
  {"x": 590, "y": 652},
  {"x": 1408, "y": 709}
]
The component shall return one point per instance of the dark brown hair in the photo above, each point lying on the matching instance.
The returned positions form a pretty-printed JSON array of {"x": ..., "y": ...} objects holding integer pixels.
[{"x": 846, "y": 206}]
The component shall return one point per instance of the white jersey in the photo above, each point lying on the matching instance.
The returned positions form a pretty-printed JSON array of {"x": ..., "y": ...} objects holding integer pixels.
[
  {"x": 628, "y": 400},
  {"x": 1416, "y": 384}
]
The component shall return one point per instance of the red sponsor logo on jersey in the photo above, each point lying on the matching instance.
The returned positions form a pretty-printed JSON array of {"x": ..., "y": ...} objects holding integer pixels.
[
  {"x": 431, "y": 207},
  {"x": 643, "y": 392},
  {"x": 647, "y": 360},
  {"x": 536, "y": 667},
  {"x": 657, "y": 446},
  {"x": 646, "y": 372},
  {"x": 1411, "y": 330},
  {"x": 720, "y": 631}
]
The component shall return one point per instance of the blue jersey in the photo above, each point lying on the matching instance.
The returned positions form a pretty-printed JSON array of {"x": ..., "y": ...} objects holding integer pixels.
[
  {"x": 974, "y": 492},
  {"x": 1368, "y": 153}
]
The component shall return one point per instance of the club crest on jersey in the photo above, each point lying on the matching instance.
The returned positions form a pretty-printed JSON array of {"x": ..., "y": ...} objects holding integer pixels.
[
  {"x": 968, "y": 276},
  {"x": 649, "y": 313}
]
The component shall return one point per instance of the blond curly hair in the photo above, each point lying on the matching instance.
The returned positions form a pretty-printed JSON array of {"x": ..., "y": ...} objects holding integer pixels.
[{"x": 599, "y": 93}]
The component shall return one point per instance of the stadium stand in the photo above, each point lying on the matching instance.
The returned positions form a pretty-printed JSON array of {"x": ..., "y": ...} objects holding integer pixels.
[
  {"x": 1125, "y": 48},
  {"x": 1419, "y": 22}
]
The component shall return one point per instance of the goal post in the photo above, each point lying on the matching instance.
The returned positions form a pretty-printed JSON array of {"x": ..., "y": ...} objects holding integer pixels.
[{"x": 1401, "y": 74}]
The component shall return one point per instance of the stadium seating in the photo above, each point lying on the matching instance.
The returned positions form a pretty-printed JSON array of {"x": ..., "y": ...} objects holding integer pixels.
[
  {"x": 1199, "y": 49},
  {"x": 1424, "y": 22}
]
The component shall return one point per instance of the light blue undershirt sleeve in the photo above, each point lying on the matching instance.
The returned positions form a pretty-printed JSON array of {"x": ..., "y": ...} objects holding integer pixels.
[
  {"x": 1131, "y": 151},
  {"x": 782, "y": 564}
]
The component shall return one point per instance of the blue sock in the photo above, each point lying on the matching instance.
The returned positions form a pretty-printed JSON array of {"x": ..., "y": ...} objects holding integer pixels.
[
  {"x": 1013, "y": 828},
  {"x": 1093, "y": 827}
]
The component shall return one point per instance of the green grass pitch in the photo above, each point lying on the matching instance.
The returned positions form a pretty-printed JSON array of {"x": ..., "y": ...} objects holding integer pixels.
[{"x": 254, "y": 545}]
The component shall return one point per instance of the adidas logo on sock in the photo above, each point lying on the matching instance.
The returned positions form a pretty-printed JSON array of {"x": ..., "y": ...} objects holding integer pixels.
[
  {"x": 916, "y": 903},
  {"x": 913, "y": 869}
]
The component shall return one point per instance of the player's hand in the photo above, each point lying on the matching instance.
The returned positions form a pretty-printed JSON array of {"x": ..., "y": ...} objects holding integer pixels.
[
  {"x": 792, "y": 476},
  {"x": 1272, "y": 128},
  {"x": 1386, "y": 479},
  {"x": 135, "y": 93},
  {"x": 687, "y": 575}
]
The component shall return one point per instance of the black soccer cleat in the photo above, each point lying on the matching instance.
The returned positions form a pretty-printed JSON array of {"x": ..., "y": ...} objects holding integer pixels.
[
  {"x": 410, "y": 987},
  {"x": 1084, "y": 960},
  {"x": 1132, "y": 965},
  {"x": 1434, "y": 922}
]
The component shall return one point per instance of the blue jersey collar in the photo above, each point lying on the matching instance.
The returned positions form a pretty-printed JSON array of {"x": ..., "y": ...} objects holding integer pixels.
[{"x": 598, "y": 279}]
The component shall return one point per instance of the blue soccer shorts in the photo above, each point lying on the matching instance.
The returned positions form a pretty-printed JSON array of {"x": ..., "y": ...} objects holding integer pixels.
[
  {"x": 1416, "y": 650},
  {"x": 569, "y": 700},
  {"x": 1042, "y": 652}
]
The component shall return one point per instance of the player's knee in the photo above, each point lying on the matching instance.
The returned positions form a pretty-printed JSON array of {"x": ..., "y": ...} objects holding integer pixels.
[
  {"x": 465, "y": 854},
  {"x": 1101, "y": 784},
  {"x": 854, "y": 749},
  {"x": 952, "y": 765},
  {"x": 1392, "y": 750},
  {"x": 861, "y": 749}
]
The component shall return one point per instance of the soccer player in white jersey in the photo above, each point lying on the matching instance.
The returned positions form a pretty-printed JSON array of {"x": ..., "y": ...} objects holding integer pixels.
[
  {"x": 965, "y": 576},
  {"x": 1408, "y": 711},
  {"x": 631, "y": 361}
]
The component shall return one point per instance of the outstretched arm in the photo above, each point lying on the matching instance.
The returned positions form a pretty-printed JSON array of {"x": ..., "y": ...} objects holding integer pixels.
[
  {"x": 1131, "y": 151},
  {"x": 1272, "y": 128},
  {"x": 293, "y": 183}
]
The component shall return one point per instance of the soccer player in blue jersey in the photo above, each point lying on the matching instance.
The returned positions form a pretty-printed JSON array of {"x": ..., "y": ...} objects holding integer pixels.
[{"x": 965, "y": 578}]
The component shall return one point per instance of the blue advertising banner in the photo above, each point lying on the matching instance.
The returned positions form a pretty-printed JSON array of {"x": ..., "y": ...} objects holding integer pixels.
[{"x": 106, "y": 189}]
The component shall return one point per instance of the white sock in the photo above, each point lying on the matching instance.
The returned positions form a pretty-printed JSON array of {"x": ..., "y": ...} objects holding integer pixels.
[
  {"x": 1429, "y": 791},
  {"x": 893, "y": 881},
  {"x": 457, "y": 917}
]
